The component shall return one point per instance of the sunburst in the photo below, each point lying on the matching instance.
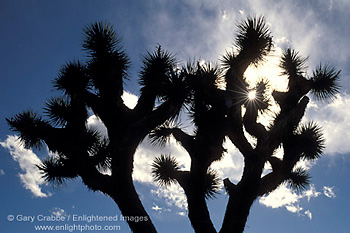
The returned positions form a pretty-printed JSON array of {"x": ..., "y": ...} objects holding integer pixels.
[{"x": 251, "y": 95}]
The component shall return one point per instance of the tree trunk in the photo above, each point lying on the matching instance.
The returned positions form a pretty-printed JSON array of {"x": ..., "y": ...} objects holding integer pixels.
[
  {"x": 124, "y": 192},
  {"x": 198, "y": 213},
  {"x": 243, "y": 196},
  {"x": 131, "y": 207},
  {"x": 237, "y": 212}
]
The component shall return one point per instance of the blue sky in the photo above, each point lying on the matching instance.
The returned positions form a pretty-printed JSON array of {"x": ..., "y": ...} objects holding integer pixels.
[{"x": 37, "y": 37}]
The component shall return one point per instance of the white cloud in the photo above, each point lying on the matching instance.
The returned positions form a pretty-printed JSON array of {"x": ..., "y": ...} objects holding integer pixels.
[
  {"x": 130, "y": 100},
  {"x": 58, "y": 212},
  {"x": 174, "y": 196},
  {"x": 311, "y": 193},
  {"x": 282, "y": 196},
  {"x": 335, "y": 121},
  {"x": 160, "y": 210},
  {"x": 181, "y": 213},
  {"x": 2, "y": 171},
  {"x": 329, "y": 192},
  {"x": 225, "y": 16},
  {"x": 27, "y": 159},
  {"x": 231, "y": 165},
  {"x": 94, "y": 122},
  {"x": 308, "y": 214},
  {"x": 156, "y": 208},
  {"x": 285, "y": 197},
  {"x": 294, "y": 208}
]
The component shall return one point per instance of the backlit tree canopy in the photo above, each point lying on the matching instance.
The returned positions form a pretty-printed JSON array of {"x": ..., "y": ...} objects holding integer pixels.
[{"x": 218, "y": 99}]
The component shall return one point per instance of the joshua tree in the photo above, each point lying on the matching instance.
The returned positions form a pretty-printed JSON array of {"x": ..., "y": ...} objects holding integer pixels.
[
  {"x": 98, "y": 86},
  {"x": 216, "y": 112},
  {"x": 214, "y": 98}
]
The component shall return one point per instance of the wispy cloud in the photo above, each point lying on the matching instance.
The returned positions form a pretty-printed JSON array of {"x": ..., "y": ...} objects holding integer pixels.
[
  {"x": 159, "y": 209},
  {"x": 308, "y": 214},
  {"x": 27, "y": 159},
  {"x": 329, "y": 192},
  {"x": 58, "y": 212},
  {"x": 2, "y": 172}
]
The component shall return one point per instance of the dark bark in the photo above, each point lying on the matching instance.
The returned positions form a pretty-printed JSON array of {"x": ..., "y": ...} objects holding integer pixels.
[
  {"x": 198, "y": 212},
  {"x": 124, "y": 192},
  {"x": 129, "y": 203},
  {"x": 237, "y": 212},
  {"x": 242, "y": 195}
]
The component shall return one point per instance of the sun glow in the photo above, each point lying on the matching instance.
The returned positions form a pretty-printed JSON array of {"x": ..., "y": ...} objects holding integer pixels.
[
  {"x": 271, "y": 72},
  {"x": 251, "y": 95},
  {"x": 268, "y": 70}
]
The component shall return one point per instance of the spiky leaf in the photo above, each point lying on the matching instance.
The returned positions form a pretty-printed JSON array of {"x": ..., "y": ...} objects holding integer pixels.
[
  {"x": 109, "y": 63},
  {"x": 212, "y": 184},
  {"x": 254, "y": 39},
  {"x": 57, "y": 170},
  {"x": 72, "y": 79},
  {"x": 100, "y": 38},
  {"x": 58, "y": 109},
  {"x": 30, "y": 126},
  {"x": 100, "y": 152},
  {"x": 164, "y": 170},
  {"x": 325, "y": 82},
  {"x": 299, "y": 179},
  {"x": 311, "y": 141},
  {"x": 292, "y": 63},
  {"x": 229, "y": 59},
  {"x": 157, "y": 69},
  {"x": 160, "y": 136}
]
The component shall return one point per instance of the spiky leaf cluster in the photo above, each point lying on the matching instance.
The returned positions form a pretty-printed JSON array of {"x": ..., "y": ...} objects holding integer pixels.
[
  {"x": 109, "y": 63},
  {"x": 30, "y": 126},
  {"x": 100, "y": 38},
  {"x": 91, "y": 140},
  {"x": 254, "y": 39},
  {"x": 325, "y": 82},
  {"x": 212, "y": 184},
  {"x": 72, "y": 79},
  {"x": 164, "y": 170},
  {"x": 56, "y": 170},
  {"x": 228, "y": 60},
  {"x": 311, "y": 141},
  {"x": 59, "y": 110},
  {"x": 299, "y": 179},
  {"x": 101, "y": 154},
  {"x": 204, "y": 82},
  {"x": 161, "y": 135},
  {"x": 292, "y": 63},
  {"x": 158, "y": 67}
]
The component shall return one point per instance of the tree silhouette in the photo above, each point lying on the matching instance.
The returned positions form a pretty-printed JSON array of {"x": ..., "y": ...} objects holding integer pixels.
[
  {"x": 217, "y": 113},
  {"x": 98, "y": 86},
  {"x": 216, "y": 99}
]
